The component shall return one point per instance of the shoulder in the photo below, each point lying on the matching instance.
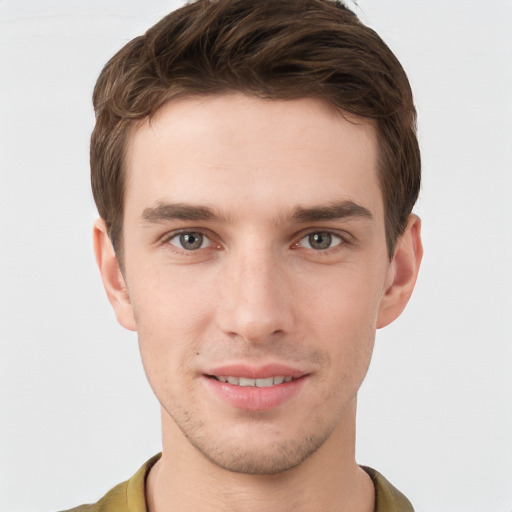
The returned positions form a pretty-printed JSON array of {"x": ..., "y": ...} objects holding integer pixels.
[
  {"x": 126, "y": 496},
  {"x": 387, "y": 497},
  {"x": 114, "y": 500}
]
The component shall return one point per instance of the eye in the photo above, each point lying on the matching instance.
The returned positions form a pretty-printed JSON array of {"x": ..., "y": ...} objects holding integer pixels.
[
  {"x": 320, "y": 241},
  {"x": 190, "y": 241}
]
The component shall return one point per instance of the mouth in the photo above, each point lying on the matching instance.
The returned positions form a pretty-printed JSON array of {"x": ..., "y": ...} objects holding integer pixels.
[
  {"x": 249, "y": 382},
  {"x": 255, "y": 388}
]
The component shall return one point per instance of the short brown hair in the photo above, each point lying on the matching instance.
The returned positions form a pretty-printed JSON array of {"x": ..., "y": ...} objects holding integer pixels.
[{"x": 275, "y": 49}]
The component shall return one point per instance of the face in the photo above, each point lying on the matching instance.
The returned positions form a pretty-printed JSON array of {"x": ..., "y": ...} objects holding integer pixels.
[{"x": 256, "y": 272}]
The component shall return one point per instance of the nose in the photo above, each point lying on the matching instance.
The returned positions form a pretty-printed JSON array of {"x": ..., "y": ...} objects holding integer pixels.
[{"x": 255, "y": 299}]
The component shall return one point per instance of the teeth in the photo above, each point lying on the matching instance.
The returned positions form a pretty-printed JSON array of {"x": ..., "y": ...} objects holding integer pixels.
[
  {"x": 264, "y": 383},
  {"x": 259, "y": 383}
]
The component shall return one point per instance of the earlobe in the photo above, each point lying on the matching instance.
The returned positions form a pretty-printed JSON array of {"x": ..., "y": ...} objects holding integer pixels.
[
  {"x": 112, "y": 277},
  {"x": 403, "y": 273}
]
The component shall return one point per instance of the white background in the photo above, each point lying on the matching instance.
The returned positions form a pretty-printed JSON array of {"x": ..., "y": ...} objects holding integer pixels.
[{"x": 76, "y": 414}]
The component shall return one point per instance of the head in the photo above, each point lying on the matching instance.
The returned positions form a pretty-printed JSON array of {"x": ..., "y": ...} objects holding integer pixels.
[
  {"x": 275, "y": 50},
  {"x": 255, "y": 165}
]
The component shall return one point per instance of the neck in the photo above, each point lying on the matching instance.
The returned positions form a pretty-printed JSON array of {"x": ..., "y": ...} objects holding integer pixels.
[{"x": 183, "y": 480}]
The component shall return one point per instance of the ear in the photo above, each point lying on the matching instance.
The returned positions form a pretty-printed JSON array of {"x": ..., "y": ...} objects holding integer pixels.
[
  {"x": 403, "y": 272},
  {"x": 113, "y": 279}
]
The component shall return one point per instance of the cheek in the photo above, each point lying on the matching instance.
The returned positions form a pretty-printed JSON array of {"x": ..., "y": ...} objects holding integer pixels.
[
  {"x": 170, "y": 318},
  {"x": 342, "y": 316},
  {"x": 347, "y": 299},
  {"x": 170, "y": 299}
]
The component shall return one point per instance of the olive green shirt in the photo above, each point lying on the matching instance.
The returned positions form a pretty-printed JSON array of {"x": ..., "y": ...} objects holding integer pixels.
[{"x": 130, "y": 496}]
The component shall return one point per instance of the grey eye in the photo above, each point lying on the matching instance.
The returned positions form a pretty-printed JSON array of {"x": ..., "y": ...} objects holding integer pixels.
[
  {"x": 320, "y": 240},
  {"x": 189, "y": 241}
]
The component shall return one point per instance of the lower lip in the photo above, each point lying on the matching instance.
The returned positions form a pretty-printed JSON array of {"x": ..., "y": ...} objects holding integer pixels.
[{"x": 253, "y": 398}]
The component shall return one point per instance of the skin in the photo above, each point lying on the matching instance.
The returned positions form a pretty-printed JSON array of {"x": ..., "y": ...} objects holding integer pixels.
[{"x": 282, "y": 200}]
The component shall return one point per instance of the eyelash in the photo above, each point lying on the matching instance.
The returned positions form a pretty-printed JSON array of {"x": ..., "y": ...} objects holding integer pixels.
[
  {"x": 332, "y": 237},
  {"x": 181, "y": 250},
  {"x": 342, "y": 240}
]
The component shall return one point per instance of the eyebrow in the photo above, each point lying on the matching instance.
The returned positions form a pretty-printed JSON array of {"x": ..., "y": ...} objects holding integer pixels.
[
  {"x": 333, "y": 211},
  {"x": 163, "y": 212},
  {"x": 181, "y": 211}
]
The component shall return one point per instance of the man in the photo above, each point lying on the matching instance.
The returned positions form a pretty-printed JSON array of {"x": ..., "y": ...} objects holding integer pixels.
[{"x": 255, "y": 165}]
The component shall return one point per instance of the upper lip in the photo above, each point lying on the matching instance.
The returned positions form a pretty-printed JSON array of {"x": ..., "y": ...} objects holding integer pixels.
[{"x": 257, "y": 372}]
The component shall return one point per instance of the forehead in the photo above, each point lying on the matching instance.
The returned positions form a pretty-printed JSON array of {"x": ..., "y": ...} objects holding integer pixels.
[{"x": 247, "y": 152}]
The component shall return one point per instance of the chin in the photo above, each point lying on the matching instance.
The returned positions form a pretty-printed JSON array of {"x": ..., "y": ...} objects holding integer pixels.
[{"x": 270, "y": 459}]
